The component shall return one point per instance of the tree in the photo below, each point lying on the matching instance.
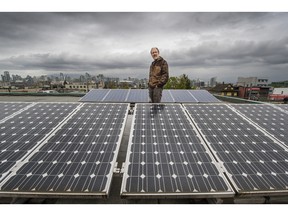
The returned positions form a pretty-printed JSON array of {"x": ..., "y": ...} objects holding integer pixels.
[
  {"x": 181, "y": 82},
  {"x": 184, "y": 82},
  {"x": 172, "y": 83}
]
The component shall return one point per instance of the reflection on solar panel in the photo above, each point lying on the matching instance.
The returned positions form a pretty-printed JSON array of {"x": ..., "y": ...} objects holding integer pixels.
[
  {"x": 21, "y": 133},
  {"x": 8, "y": 108},
  {"x": 78, "y": 159},
  {"x": 204, "y": 96},
  {"x": 268, "y": 117},
  {"x": 166, "y": 157},
  {"x": 167, "y": 97},
  {"x": 180, "y": 96},
  {"x": 142, "y": 96},
  {"x": 95, "y": 95},
  {"x": 283, "y": 107},
  {"x": 254, "y": 162},
  {"x": 137, "y": 95},
  {"x": 116, "y": 95}
]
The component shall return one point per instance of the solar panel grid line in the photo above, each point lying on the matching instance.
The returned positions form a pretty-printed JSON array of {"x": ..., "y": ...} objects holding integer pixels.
[
  {"x": 61, "y": 176},
  {"x": 128, "y": 93},
  {"x": 11, "y": 115},
  {"x": 31, "y": 151},
  {"x": 193, "y": 97},
  {"x": 103, "y": 99},
  {"x": 172, "y": 159},
  {"x": 265, "y": 129},
  {"x": 252, "y": 165},
  {"x": 170, "y": 93}
]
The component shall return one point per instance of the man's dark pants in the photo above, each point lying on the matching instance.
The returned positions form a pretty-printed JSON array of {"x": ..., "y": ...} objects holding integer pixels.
[{"x": 155, "y": 94}]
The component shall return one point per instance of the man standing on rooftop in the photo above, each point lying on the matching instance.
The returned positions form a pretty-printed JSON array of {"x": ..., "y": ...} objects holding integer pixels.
[{"x": 158, "y": 76}]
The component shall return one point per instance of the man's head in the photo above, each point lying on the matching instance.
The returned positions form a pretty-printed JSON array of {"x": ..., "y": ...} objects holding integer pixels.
[{"x": 154, "y": 53}]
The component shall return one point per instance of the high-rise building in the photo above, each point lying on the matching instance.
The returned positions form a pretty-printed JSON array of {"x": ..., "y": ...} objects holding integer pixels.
[
  {"x": 213, "y": 81},
  {"x": 6, "y": 77},
  {"x": 61, "y": 77}
]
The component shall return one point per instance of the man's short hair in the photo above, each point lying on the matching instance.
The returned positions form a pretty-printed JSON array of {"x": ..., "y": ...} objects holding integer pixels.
[{"x": 154, "y": 48}]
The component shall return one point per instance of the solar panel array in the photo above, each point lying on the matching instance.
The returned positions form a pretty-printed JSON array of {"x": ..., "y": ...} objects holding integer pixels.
[
  {"x": 254, "y": 162},
  {"x": 166, "y": 156},
  {"x": 188, "y": 150},
  {"x": 142, "y": 96},
  {"x": 77, "y": 159}
]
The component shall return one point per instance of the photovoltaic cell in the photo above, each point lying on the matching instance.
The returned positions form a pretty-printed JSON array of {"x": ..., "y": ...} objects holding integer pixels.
[
  {"x": 167, "y": 157},
  {"x": 8, "y": 108},
  {"x": 253, "y": 161},
  {"x": 21, "y": 133},
  {"x": 78, "y": 159},
  {"x": 268, "y": 117}
]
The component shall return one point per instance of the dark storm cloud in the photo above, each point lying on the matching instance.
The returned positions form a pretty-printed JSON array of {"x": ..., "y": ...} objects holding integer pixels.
[
  {"x": 109, "y": 41},
  {"x": 239, "y": 52},
  {"x": 68, "y": 62}
]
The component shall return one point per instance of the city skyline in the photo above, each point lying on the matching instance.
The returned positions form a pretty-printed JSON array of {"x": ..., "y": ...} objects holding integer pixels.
[{"x": 117, "y": 44}]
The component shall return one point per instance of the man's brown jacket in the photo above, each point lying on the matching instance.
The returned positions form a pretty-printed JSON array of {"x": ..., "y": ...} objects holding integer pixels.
[{"x": 159, "y": 74}]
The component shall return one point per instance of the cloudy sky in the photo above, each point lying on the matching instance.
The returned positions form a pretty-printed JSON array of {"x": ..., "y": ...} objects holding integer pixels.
[{"x": 225, "y": 45}]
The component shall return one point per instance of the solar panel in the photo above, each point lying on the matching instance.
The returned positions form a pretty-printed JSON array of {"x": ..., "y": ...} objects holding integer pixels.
[
  {"x": 78, "y": 159},
  {"x": 183, "y": 96},
  {"x": 95, "y": 95},
  {"x": 116, "y": 95},
  {"x": 8, "y": 108},
  {"x": 21, "y": 133},
  {"x": 166, "y": 157},
  {"x": 138, "y": 95},
  {"x": 253, "y": 161},
  {"x": 142, "y": 96},
  {"x": 274, "y": 121},
  {"x": 167, "y": 97},
  {"x": 204, "y": 96}
]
